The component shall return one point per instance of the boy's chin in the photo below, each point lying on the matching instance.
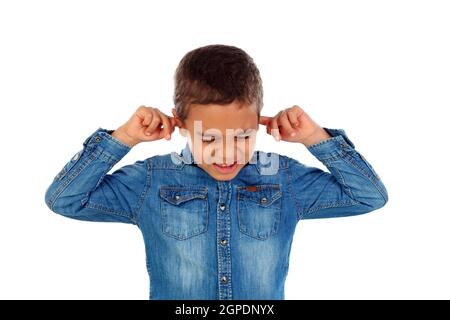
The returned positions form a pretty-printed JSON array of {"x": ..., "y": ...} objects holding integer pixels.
[{"x": 221, "y": 176}]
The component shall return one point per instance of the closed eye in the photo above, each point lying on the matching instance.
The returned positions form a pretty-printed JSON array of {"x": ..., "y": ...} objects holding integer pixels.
[{"x": 243, "y": 137}]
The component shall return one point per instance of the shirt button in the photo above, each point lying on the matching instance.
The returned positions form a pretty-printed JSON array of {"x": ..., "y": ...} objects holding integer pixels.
[
  {"x": 224, "y": 242},
  {"x": 264, "y": 200},
  {"x": 222, "y": 206},
  {"x": 177, "y": 197},
  {"x": 76, "y": 157},
  {"x": 98, "y": 138},
  {"x": 224, "y": 279}
]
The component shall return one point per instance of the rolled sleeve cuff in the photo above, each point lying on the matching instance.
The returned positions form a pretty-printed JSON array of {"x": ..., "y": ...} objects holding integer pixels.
[
  {"x": 112, "y": 150},
  {"x": 333, "y": 146}
]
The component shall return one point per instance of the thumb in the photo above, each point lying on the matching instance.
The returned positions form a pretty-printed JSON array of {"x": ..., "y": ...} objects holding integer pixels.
[{"x": 264, "y": 120}]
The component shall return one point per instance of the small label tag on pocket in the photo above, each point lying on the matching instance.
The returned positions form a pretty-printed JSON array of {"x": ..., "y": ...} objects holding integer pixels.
[{"x": 251, "y": 188}]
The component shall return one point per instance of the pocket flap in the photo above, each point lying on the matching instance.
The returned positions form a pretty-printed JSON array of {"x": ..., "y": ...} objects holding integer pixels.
[
  {"x": 178, "y": 195},
  {"x": 264, "y": 194}
]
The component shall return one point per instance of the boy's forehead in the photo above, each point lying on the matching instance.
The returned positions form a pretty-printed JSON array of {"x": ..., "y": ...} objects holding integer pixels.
[
  {"x": 236, "y": 124},
  {"x": 224, "y": 117}
]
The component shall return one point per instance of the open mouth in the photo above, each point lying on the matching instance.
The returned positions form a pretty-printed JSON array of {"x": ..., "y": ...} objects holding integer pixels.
[{"x": 225, "y": 168}]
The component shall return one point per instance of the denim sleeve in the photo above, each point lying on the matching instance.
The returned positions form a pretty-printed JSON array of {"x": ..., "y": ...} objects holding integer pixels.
[
  {"x": 83, "y": 190},
  {"x": 351, "y": 186}
]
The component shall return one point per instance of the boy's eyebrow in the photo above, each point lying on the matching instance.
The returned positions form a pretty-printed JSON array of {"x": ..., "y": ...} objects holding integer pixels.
[{"x": 245, "y": 131}]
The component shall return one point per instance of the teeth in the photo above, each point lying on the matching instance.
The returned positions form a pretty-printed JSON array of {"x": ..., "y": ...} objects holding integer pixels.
[{"x": 224, "y": 165}]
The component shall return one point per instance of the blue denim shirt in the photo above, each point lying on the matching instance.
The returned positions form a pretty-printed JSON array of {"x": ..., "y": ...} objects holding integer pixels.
[{"x": 209, "y": 239}]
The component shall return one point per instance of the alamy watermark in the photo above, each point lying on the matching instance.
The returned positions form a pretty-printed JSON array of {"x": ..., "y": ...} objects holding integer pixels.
[{"x": 211, "y": 146}]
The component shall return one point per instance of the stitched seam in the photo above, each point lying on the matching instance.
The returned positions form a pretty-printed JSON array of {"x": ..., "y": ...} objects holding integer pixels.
[
  {"x": 289, "y": 184},
  {"x": 193, "y": 233},
  {"x": 335, "y": 156},
  {"x": 339, "y": 204},
  {"x": 100, "y": 207},
  {"x": 346, "y": 156},
  {"x": 330, "y": 140},
  {"x": 350, "y": 160},
  {"x": 71, "y": 177},
  {"x": 149, "y": 271},
  {"x": 114, "y": 140},
  {"x": 273, "y": 197},
  {"x": 246, "y": 231},
  {"x": 347, "y": 189},
  {"x": 137, "y": 211}
]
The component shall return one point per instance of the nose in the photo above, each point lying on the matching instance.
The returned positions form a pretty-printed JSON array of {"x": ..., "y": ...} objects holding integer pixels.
[
  {"x": 225, "y": 155},
  {"x": 228, "y": 156}
]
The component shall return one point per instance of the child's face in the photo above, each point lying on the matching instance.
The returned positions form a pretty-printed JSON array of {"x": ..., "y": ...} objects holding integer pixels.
[{"x": 222, "y": 135}]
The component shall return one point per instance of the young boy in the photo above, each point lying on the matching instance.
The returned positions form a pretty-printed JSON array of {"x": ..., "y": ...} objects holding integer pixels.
[{"x": 218, "y": 219}]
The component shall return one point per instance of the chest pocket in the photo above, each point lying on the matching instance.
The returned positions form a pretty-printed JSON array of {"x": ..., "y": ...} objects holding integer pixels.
[
  {"x": 184, "y": 211},
  {"x": 259, "y": 209}
]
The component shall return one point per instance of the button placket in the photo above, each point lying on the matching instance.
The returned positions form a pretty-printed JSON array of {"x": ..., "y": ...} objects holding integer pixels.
[{"x": 223, "y": 240}]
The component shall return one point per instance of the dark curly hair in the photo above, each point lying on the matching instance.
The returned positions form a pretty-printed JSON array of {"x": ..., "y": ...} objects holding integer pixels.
[{"x": 216, "y": 74}]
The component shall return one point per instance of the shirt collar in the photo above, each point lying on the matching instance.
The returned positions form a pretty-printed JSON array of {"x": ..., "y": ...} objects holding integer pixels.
[{"x": 186, "y": 155}]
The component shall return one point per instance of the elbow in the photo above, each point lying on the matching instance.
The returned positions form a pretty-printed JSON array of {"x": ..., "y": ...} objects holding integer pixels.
[
  {"x": 372, "y": 199},
  {"x": 378, "y": 201},
  {"x": 52, "y": 202},
  {"x": 61, "y": 205},
  {"x": 49, "y": 198}
]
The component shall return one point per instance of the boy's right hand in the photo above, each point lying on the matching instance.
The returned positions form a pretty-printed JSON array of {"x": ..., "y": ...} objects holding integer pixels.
[{"x": 146, "y": 124}]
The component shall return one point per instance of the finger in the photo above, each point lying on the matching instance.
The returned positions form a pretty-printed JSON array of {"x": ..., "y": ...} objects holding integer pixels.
[
  {"x": 175, "y": 122},
  {"x": 298, "y": 112},
  {"x": 264, "y": 120},
  {"x": 156, "y": 121},
  {"x": 150, "y": 136},
  {"x": 145, "y": 115},
  {"x": 293, "y": 119},
  {"x": 172, "y": 122},
  {"x": 148, "y": 116},
  {"x": 168, "y": 129},
  {"x": 268, "y": 128},
  {"x": 298, "y": 109},
  {"x": 274, "y": 130},
  {"x": 268, "y": 125},
  {"x": 286, "y": 124}
]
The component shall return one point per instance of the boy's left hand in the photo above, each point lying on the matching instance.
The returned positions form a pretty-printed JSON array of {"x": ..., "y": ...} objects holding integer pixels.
[{"x": 294, "y": 125}]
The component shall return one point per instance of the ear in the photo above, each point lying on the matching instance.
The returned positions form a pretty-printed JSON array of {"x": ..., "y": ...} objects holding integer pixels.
[
  {"x": 181, "y": 129},
  {"x": 177, "y": 119}
]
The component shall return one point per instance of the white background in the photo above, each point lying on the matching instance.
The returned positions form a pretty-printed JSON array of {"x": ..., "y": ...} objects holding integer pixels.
[{"x": 378, "y": 69}]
